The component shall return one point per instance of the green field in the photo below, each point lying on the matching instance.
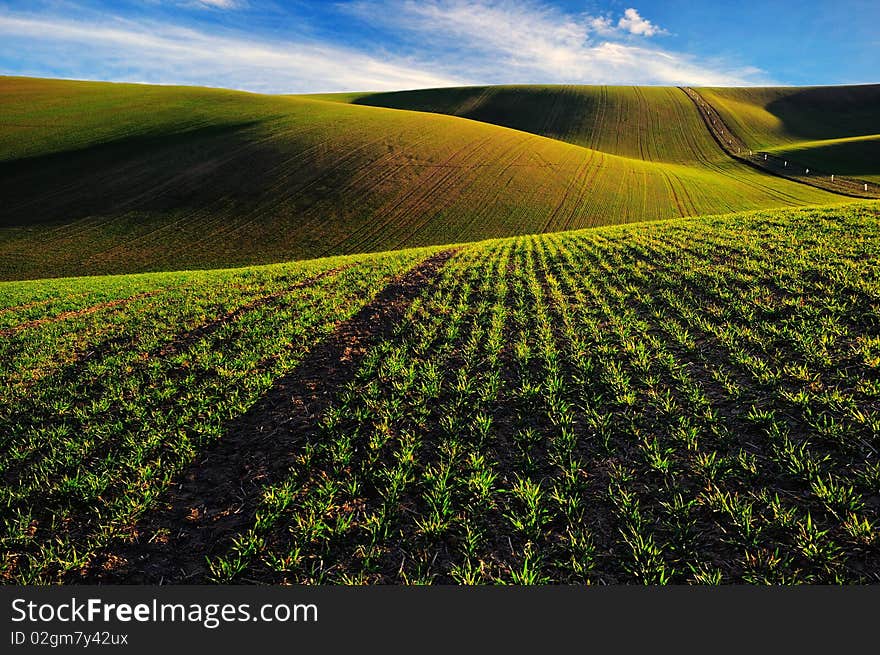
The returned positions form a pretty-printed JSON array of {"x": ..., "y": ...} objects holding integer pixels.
[
  {"x": 364, "y": 338},
  {"x": 830, "y": 128},
  {"x": 835, "y": 129},
  {"x": 101, "y": 178},
  {"x": 648, "y": 123},
  {"x": 686, "y": 401}
]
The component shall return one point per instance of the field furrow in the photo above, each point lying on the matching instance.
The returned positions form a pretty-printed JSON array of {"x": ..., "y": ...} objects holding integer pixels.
[{"x": 692, "y": 401}]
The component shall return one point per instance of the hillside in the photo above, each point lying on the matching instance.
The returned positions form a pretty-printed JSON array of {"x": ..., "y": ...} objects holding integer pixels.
[
  {"x": 685, "y": 401},
  {"x": 648, "y": 123},
  {"x": 836, "y": 129},
  {"x": 830, "y": 128},
  {"x": 107, "y": 178}
]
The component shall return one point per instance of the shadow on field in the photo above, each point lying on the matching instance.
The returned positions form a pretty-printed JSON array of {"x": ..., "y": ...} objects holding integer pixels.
[
  {"x": 149, "y": 172},
  {"x": 829, "y": 112},
  {"x": 546, "y": 111},
  {"x": 216, "y": 498}
]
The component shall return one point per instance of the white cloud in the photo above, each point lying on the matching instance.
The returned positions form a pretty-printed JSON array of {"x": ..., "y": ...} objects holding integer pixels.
[
  {"x": 160, "y": 53},
  {"x": 431, "y": 43},
  {"x": 601, "y": 25},
  {"x": 633, "y": 23},
  {"x": 219, "y": 4},
  {"x": 515, "y": 30},
  {"x": 499, "y": 41}
]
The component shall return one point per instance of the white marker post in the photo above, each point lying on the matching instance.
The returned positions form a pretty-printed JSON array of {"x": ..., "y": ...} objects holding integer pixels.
[
  {"x": 785, "y": 164},
  {"x": 832, "y": 177},
  {"x": 808, "y": 171}
]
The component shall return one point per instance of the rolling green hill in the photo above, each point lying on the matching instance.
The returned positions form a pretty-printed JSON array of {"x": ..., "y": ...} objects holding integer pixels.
[
  {"x": 831, "y": 128},
  {"x": 649, "y": 123},
  {"x": 107, "y": 178},
  {"x": 836, "y": 129}
]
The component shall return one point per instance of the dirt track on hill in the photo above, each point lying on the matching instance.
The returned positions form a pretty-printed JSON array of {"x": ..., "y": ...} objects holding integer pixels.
[{"x": 779, "y": 166}]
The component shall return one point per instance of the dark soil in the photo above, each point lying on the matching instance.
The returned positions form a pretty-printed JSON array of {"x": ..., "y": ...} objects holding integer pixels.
[{"x": 216, "y": 498}]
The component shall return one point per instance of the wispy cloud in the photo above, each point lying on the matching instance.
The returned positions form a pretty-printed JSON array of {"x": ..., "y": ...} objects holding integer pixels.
[
  {"x": 505, "y": 41},
  {"x": 161, "y": 53},
  {"x": 410, "y": 44},
  {"x": 602, "y": 25},
  {"x": 220, "y": 4}
]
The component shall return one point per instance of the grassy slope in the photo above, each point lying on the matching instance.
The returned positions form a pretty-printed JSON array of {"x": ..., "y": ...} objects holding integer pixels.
[
  {"x": 687, "y": 401},
  {"x": 649, "y": 123},
  {"x": 101, "y": 178},
  {"x": 836, "y": 129}
]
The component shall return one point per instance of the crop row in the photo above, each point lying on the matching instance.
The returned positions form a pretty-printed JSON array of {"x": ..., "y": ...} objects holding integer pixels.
[
  {"x": 101, "y": 410},
  {"x": 666, "y": 406},
  {"x": 684, "y": 402}
]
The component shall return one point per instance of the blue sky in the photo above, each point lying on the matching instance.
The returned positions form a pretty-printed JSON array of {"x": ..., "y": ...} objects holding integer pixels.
[{"x": 299, "y": 46}]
